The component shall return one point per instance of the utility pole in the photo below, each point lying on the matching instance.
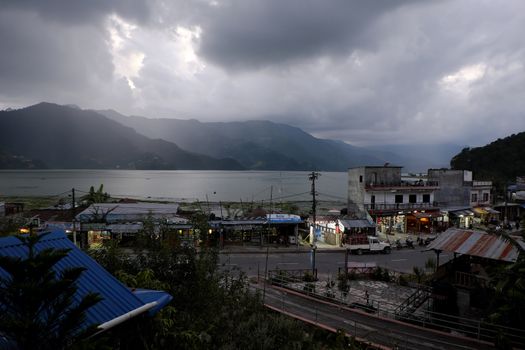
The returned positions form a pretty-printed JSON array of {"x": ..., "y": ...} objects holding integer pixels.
[
  {"x": 271, "y": 199},
  {"x": 73, "y": 215},
  {"x": 208, "y": 203},
  {"x": 505, "y": 191},
  {"x": 312, "y": 177}
]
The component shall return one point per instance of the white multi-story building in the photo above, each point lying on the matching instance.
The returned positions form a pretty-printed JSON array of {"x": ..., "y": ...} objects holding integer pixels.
[
  {"x": 480, "y": 194},
  {"x": 394, "y": 204}
]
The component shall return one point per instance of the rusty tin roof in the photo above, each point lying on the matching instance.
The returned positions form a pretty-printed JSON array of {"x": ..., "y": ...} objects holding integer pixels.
[{"x": 475, "y": 243}]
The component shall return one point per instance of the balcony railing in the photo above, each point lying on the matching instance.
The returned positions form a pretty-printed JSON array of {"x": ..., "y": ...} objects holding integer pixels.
[
  {"x": 402, "y": 185},
  {"x": 400, "y": 206},
  {"x": 468, "y": 280}
]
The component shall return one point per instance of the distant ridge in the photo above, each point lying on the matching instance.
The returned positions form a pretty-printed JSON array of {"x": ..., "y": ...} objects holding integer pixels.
[
  {"x": 258, "y": 145},
  {"x": 68, "y": 137}
]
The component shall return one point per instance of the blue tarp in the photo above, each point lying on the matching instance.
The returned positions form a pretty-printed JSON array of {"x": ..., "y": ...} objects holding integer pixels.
[{"x": 117, "y": 298}]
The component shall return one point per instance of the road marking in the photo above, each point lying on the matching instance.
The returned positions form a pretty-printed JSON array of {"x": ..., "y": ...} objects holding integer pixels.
[{"x": 394, "y": 260}]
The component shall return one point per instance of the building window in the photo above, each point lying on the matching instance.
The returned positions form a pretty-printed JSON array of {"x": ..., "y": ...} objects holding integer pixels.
[
  {"x": 399, "y": 198},
  {"x": 360, "y": 178},
  {"x": 426, "y": 198},
  {"x": 485, "y": 197},
  {"x": 412, "y": 198},
  {"x": 474, "y": 197}
]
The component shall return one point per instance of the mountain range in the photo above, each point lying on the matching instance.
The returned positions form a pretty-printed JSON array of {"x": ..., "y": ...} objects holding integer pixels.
[
  {"x": 65, "y": 137},
  {"x": 56, "y": 136}
]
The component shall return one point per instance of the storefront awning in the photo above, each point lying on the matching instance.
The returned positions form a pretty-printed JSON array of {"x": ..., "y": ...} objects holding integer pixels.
[
  {"x": 464, "y": 212},
  {"x": 491, "y": 211},
  {"x": 480, "y": 211},
  {"x": 359, "y": 223},
  {"x": 429, "y": 215}
]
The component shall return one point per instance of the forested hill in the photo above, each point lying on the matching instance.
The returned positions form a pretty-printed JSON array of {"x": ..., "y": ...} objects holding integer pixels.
[
  {"x": 53, "y": 136},
  {"x": 501, "y": 160}
]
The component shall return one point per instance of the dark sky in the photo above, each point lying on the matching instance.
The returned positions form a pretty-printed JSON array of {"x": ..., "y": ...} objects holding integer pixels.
[{"x": 366, "y": 72}]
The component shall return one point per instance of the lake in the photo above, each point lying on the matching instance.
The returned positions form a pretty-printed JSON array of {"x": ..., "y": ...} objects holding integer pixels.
[{"x": 179, "y": 185}]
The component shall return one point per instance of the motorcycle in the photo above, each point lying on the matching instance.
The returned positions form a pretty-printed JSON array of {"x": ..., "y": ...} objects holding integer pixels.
[
  {"x": 409, "y": 243},
  {"x": 398, "y": 244}
]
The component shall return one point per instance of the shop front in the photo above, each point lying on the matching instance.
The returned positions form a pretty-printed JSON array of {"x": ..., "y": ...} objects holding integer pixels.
[
  {"x": 463, "y": 218},
  {"x": 428, "y": 222}
]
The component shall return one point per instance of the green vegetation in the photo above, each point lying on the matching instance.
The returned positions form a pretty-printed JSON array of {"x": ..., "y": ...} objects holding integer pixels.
[
  {"x": 42, "y": 313},
  {"x": 211, "y": 308},
  {"x": 98, "y": 196},
  {"x": 32, "y": 202},
  {"x": 507, "y": 307},
  {"x": 500, "y": 161}
]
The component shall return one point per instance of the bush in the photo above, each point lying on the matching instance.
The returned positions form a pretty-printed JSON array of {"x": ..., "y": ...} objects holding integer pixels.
[
  {"x": 280, "y": 277},
  {"x": 386, "y": 275},
  {"x": 308, "y": 277},
  {"x": 309, "y": 288},
  {"x": 352, "y": 276},
  {"x": 378, "y": 274},
  {"x": 329, "y": 294},
  {"x": 402, "y": 280}
]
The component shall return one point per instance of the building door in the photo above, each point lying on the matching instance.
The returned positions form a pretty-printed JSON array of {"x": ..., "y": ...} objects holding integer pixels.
[{"x": 372, "y": 202}]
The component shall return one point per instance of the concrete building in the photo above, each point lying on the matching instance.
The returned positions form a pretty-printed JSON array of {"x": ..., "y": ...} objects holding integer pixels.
[
  {"x": 480, "y": 194},
  {"x": 454, "y": 187},
  {"x": 379, "y": 193},
  {"x": 101, "y": 221},
  {"x": 462, "y": 200}
]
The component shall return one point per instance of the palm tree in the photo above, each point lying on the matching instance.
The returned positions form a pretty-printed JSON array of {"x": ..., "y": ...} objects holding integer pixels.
[
  {"x": 37, "y": 308},
  {"x": 98, "y": 196},
  {"x": 509, "y": 285}
]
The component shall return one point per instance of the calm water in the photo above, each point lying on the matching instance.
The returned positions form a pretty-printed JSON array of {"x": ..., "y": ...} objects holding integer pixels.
[{"x": 186, "y": 185}]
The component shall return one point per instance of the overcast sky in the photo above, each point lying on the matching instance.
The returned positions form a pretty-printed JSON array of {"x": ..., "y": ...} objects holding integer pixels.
[{"x": 366, "y": 72}]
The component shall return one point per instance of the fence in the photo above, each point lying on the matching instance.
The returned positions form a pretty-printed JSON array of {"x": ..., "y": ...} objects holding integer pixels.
[{"x": 476, "y": 329}]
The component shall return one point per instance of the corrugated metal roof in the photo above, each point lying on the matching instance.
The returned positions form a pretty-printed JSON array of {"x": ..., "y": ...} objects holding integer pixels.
[
  {"x": 475, "y": 243},
  {"x": 117, "y": 298},
  {"x": 148, "y": 295},
  {"x": 358, "y": 223},
  {"x": 127, "y": 211}
]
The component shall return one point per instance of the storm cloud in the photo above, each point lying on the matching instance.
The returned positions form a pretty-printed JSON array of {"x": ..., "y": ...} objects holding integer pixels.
[{"x": 364, "y": 72}]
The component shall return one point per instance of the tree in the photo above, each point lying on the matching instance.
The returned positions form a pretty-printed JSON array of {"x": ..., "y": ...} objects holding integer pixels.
[
  {"x": 508, "y": 306},
  {"x": 37, "y": 307},
  {"x": 98, "y": 196}
]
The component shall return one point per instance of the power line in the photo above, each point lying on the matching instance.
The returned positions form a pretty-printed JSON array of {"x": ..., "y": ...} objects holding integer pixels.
[
  {"x": 332, "y": 196},
  {"x": 288, "y": 196}
]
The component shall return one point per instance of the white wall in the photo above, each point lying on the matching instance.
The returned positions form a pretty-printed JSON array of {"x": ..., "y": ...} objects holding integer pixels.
[{"x": 388, "y": 197}]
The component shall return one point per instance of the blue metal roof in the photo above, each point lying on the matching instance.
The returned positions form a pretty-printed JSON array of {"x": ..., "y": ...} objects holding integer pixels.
[
  {"x": 117, "y": 298},
  {"x": 148, "y": 295}
]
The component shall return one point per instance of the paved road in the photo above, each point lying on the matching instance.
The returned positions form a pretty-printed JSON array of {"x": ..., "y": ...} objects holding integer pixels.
[
  {"x": 327, "y": 263},
  {"x": 377, "y": 330}
]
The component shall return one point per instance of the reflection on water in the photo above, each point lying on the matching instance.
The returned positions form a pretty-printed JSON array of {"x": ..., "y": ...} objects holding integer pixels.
[{"x": 186, "y": 185}]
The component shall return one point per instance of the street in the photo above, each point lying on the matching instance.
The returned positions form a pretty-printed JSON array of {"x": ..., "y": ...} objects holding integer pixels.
[
  {"x": 327, "y": 263},
  {"x": 382, "y": 331}
]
